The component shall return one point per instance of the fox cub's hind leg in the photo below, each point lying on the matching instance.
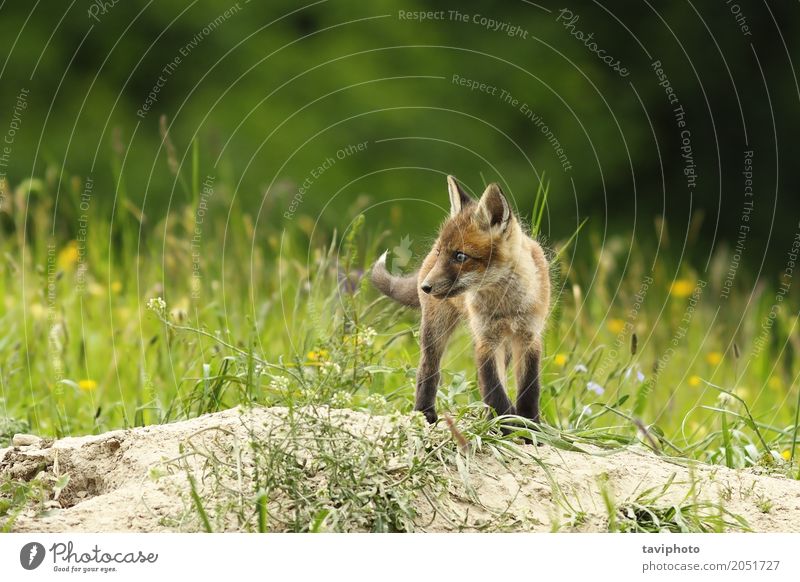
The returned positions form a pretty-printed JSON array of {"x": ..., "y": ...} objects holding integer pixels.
[
  {"x": 528, "y": 383},
  {"x": 489, "y": 379},
  {"x": 436, "y": 328}
]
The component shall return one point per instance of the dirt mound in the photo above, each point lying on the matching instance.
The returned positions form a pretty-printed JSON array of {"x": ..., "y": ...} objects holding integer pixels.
[{"x": 152, "y": 478}]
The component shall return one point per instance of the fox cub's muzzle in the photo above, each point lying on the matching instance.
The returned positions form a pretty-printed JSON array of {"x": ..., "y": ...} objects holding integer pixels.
[{"x": 442, "y": 289}]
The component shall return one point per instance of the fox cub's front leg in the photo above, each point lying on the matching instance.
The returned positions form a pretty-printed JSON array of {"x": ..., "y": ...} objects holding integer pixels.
[
  {"x": 491, "y": 384},
  {"x": 528, "y": 383},
  {"x": 437, "y": 325}
]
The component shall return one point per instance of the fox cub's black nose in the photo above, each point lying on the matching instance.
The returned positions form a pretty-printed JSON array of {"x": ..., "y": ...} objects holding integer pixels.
[{"x": 426, "y": 287}]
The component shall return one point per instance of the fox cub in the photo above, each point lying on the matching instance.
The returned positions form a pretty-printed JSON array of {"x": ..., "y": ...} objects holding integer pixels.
[{"x": 485, "y": 269}]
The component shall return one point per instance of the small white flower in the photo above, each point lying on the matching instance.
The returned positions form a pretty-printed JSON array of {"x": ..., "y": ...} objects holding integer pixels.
[
  {"x": 260, "y": 370},
  {"x": 279, "y": 383},
  {"x": 724, "y": 399},
  {"x": 581, "y": 368},
  {"x": 587, "y": 410},
  {"x": 639, "y": 374},
  {"x": 331, "y": 367},
  {"x": 376, "y": 403},
  {"x": 593, "y": 386},
  {"x": 368, "y": 336},
  {"x": 157, "y": 305},
  {"x": 341, "y": 399}
]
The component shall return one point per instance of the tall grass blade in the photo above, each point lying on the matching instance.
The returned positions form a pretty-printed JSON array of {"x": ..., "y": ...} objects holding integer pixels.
[{"x": 198, "y": 504}]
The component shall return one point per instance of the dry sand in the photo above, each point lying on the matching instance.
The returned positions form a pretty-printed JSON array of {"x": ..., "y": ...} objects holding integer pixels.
[{"x": 111, "y": 485}]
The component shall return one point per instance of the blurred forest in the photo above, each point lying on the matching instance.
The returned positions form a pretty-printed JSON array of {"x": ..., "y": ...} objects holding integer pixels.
[{"x": 277, "y": 96}]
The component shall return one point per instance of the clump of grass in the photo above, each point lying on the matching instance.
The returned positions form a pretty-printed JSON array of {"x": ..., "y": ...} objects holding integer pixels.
[
  {"x": 650, "y": 512},
  {"x": 700, "y": 517},
  {"x": 310, "y": 469},
  {"x": 9, "y": 427},
  {"x": 340, "y": 359},
  {"x": 38, "y": 495},
  {"x": 16, "y": 496},
  {"x": 738, "y": 448},
  {"x": 764, "y": 504}
]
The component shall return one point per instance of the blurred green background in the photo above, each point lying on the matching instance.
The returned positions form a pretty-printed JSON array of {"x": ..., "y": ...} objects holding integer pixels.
[{"x": 269, "y": 92}]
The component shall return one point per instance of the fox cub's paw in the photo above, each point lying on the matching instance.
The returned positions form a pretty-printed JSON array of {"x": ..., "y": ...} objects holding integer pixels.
[{"x": 430, "y": 415}]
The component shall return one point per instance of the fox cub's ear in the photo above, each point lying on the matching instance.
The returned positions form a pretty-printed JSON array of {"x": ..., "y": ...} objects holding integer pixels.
[
  {"x": 458, "y": 198},
  {"x": 493, "y": 209}
]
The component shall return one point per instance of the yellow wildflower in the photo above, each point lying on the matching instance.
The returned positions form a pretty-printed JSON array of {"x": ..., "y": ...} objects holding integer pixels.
[
  {"x": 560, "y": 360},
  {"x": 38, "y": 311},
  {"x": 787, "y": 455},
  {"x": 713, "y": 358},
  {"x": 68, "y": 256},
  {"x": 681, "y": 288},
  {"x": 317, "y": 355},
  {"x": 615, "y": 325},
  {"x": 87, "y": 385},
  {"x": 96, "y": 289},
  {"x": 352, "y": 340},
  {"x": 695, "y": 381},
  {"x": 775, "y": 382},
  {"x": 116, "y": 286}
]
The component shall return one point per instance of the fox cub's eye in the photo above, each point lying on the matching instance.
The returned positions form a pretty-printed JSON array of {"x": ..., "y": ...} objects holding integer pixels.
[{"x": 459, "y": 257}]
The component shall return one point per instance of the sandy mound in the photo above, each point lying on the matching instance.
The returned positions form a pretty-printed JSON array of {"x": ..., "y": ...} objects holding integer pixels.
[{"x": 137, "y": 480}]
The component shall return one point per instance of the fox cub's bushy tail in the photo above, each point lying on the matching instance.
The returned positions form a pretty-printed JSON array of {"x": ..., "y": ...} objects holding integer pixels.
[{"x": 401, "y": 289}]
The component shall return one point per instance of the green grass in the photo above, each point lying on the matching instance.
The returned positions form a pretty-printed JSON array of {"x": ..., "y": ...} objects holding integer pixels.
[
  {"x": 116, "y": 331},
  {"x": 311, "y": 474},
  {"x": 650, "y": 512},
  {"x": 316, "y": 468}
]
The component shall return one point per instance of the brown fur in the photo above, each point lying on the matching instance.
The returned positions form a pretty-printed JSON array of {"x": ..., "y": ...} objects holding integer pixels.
[{"x": 502, "y": 290}]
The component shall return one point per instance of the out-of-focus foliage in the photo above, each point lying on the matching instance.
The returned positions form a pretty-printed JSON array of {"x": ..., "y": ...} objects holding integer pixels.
[{"x": 271, "y": 91}]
